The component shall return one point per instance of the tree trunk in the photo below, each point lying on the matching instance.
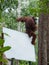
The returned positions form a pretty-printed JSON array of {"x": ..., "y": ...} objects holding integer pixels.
[
  {"x": 48, "y": 37},
  {"x": 48, "y": 43},
  {"x": 42, "y": 39}
]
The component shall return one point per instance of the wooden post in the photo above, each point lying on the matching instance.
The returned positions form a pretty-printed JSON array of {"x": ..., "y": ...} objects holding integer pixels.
[
  {"x": 30, "y": 63},
  {"x": 2, "y": 37},
  {"x": 12, "y": 61}
]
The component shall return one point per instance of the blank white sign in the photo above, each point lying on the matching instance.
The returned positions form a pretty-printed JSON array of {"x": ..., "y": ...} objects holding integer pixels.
[{"x": 21, "y": 47}]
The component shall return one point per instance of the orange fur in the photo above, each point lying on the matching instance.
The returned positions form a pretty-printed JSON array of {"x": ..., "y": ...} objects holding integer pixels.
[{"x": 30, "y": 25}]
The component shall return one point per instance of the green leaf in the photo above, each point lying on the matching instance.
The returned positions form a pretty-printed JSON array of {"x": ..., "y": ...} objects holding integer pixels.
[
  {"x": 2, "y": 1},
  {"x": 2, "y": 50},
  {"x": 1, "y": 42},
  {"x": 3, "y": 60}
]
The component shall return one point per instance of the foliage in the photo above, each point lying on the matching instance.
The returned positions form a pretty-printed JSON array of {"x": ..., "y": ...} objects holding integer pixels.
[
  {"x": 35, "y": 8},
  {"x": 44, "y": 6},
  {"x": 31, "y": 10},
  {"x": 10, "y": 20},
  {"x": 2, "y": 50},
  {"x": 8, "y": 4}
]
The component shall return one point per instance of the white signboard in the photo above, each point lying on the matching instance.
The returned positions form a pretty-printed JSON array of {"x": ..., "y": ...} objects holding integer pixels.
[{"x": 21, "y": 47}]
